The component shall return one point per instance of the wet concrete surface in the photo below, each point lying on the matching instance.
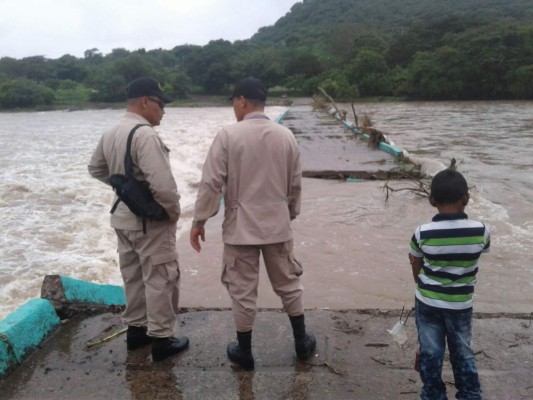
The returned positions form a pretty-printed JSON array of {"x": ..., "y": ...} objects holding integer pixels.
[
  {"x": 326, "y": 145},
  {"x": 356, "y": 359}
]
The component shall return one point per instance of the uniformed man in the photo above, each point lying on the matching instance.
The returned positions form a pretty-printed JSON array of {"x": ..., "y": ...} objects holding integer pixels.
[
  {"x": 148, "y": 261},
  {"x": 255, "y": 164}
]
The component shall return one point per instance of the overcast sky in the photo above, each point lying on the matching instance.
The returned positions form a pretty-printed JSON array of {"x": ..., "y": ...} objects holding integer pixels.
[{"x": 53, "y": 28}]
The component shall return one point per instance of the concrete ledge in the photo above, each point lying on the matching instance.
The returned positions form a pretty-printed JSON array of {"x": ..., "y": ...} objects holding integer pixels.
[
  {"x": 22, "y": 330},
  {"x": 386, "y": 147},
  {"x": 282, "y": 116},
  {"x": 71, "y": 296},
  {"x": 87, "y": 292},
  {"x": 62, "y": 297},
  {"x": 391, "y": 149},
  {"x": 356, "y": 358}
]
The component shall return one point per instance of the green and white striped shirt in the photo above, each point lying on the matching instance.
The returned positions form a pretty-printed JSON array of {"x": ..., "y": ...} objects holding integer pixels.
[{"x": 451, "y": 246}]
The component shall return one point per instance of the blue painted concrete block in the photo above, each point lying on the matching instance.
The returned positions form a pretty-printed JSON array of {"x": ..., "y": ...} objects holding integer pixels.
[
  {"x": 6, "y": 357},
  {"x": 389, "y": 148},
  {"x": 282, "y": 116},
  {"x": 22, "y": 330},
  {"x": 86, "y": 292}
]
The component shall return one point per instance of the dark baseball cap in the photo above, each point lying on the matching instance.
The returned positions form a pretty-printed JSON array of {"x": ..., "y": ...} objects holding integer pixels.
[
  {"x": 250, "y": 88},
  {"x": 146, "y": 87}
]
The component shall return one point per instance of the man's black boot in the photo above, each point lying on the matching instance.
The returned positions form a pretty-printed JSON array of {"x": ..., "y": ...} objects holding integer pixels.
[
  {"x": 240, "y": 352},
  {"x": 304, "y": 343},
  {"x": 166, "y": 347},
  {"x": 137, "y": 337}
]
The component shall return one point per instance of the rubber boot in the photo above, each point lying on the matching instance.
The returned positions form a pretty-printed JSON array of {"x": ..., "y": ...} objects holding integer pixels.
[
  {"x": 137, "y": 337},
  {"x": 166, "y": 347},
  {"x": 304, "y": 343},
  {"x": 240, "y": 352}
]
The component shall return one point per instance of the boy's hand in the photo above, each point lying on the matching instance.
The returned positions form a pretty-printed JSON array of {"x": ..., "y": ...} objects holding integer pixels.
[{"x": 416, "y": 265}]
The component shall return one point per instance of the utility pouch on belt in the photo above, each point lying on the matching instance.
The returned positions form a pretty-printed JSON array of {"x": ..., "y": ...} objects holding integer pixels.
[{"x": 135, "y": 194}]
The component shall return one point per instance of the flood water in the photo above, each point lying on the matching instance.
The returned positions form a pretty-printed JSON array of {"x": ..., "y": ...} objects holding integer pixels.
[{"x": 55, "y": 217}]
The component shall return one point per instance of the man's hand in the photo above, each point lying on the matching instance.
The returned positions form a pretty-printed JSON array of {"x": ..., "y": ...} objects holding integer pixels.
[{"x": 196, "y": 232}]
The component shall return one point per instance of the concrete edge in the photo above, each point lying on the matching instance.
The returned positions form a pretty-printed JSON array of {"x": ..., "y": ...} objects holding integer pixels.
[
  {"x": 23, "y": 330},
  {"x": 26, "y": 327},
  {"x": 93, "y": 293},
  {"x": 386, "y": 147},
  {"x": 280, "y": 119}
]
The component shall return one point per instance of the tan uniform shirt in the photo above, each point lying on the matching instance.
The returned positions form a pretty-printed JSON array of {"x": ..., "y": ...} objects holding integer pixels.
[
  {"x": 257, "y": 162},
  {"x": 150, "y": 163}
]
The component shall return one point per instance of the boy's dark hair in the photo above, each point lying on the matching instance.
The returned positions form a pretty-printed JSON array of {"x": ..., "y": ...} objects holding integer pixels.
[{"x": 448, "y": 187}]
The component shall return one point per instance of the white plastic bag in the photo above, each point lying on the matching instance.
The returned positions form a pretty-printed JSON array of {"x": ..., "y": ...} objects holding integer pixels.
[{"x": 398, "y": 333}]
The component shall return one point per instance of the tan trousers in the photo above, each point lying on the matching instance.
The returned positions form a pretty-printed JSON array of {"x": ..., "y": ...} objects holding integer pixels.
[
  {"x": 240, "y": 275},
  {"x": 150, "y": 270}
]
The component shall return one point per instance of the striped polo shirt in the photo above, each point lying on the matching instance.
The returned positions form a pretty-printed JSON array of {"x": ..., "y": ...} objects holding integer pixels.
[{"x": 451, "y": 246}]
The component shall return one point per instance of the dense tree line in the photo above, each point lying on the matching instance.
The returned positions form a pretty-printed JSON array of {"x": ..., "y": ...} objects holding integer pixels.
[{"x": 418, "y": 49}]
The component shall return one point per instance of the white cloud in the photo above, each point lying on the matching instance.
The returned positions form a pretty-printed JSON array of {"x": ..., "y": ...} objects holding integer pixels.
[{"x": 52, "y": 28}]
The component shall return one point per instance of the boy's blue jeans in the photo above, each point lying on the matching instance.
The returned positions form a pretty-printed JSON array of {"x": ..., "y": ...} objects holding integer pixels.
[{"x": 434, "y": 327}]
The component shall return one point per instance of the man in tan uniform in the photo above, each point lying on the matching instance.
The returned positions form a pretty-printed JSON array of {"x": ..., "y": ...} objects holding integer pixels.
[
  {"x": 255, "y": 163},
  {"x": 148, "y": 261}
]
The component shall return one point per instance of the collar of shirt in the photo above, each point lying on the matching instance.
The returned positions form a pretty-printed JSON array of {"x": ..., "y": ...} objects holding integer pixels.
[
  {"x": 449, "y": 217},
  {"x": 137, "y": 117},
  {"x": 255, "y": 115}
]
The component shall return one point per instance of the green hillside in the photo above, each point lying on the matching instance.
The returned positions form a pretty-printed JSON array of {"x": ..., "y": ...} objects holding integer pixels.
[
  {"x": 414, "y": 49},
  {"x": 314, "y": 20}
]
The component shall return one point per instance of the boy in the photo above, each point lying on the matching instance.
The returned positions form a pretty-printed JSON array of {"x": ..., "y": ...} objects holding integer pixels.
[{"x": 444, "y": 256}]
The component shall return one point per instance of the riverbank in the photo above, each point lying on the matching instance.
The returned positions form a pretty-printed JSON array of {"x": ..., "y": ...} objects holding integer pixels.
[{"x": 192, "y": 101}]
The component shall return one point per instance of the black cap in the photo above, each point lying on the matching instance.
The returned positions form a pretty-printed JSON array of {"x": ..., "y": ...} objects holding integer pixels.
[
  {"x": 146, "y": 87},
  {"x": 250, "y": 88}
]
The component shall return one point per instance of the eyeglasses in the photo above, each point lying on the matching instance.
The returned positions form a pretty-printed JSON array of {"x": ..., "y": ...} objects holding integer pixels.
[{"x": 159, "y": 102}]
